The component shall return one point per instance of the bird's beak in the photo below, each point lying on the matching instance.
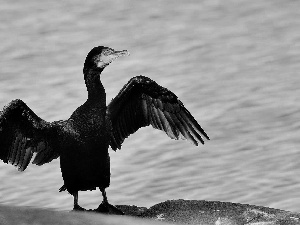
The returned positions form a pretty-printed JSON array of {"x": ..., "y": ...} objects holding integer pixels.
[
  {"x": 116, "y": 54},
  {"x": 106, "y": 59},
  {"x": 121, "y": 53}
]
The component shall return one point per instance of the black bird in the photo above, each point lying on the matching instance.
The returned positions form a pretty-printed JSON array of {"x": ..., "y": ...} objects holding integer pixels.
[{"x": 82, "y": 141}]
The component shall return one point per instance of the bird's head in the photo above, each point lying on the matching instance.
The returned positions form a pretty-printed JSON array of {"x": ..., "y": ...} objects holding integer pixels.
[{"x": 100, "y": 57}]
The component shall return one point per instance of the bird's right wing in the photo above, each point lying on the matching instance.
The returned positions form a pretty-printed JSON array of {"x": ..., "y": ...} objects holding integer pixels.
[
  {"x": 23, "y": 133},
  {"x": 142, "y": 102}
]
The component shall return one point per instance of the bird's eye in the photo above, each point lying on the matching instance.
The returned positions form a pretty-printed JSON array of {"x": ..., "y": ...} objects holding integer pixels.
[{"x": 107, "y": 51}]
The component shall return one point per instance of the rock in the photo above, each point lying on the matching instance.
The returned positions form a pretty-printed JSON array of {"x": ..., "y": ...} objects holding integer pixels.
[
  {"x": 213, "y": 212},
  {"x": 172, "y": 212}
]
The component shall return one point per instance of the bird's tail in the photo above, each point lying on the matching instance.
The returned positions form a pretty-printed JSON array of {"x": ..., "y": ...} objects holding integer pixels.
[{"x": 63, "y": 188}]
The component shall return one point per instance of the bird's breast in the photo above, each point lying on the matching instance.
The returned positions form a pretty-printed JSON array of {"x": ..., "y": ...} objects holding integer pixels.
[{"x": 90, "y": 122}]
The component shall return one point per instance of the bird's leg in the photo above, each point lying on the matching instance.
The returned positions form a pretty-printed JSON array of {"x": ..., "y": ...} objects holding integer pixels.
[
  {"x": 76, "y": 206},
  {"x": 104, "y": 195},
  {"x": 105, "y": 207}
]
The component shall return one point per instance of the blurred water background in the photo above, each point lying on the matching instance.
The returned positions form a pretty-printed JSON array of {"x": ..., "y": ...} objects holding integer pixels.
[{"x": 234, "y": 64}]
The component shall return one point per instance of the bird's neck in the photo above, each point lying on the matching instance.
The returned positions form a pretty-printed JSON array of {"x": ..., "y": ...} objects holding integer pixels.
[{"x": 96, "y": 91}]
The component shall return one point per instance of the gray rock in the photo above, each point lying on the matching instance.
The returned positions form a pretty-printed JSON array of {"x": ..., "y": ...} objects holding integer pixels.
[{"x": 172, "y": 212}]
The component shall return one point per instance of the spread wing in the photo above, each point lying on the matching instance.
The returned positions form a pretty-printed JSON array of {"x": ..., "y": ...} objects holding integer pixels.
[
  {"x": 23, "y": 133},
  {"x": 142, "y": 102}
]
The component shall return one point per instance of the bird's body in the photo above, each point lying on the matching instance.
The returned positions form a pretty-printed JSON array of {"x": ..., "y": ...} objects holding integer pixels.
[
  {"x": 83, "y": 140},
  {"x": 87, "y": 148}
]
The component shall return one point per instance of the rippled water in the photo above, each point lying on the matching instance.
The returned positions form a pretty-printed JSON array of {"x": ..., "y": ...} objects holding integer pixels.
[{"x": 234, "y": 64}]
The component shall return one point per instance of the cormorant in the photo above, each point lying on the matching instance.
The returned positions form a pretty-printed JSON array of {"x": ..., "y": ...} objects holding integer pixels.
[{"x": 82, "y": 141}]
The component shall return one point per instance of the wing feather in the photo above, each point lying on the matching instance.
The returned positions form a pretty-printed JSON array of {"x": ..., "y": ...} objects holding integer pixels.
[
  {"x": 182, "y": 134},
  {"x": 22, "y": 133},
  {"x": 192, "y": 126},
  {"x": 142, "y": 102},
  {"x": 189, "y": 133},
  {"x": 173, "y": 131},
  {"x": 163, "y": 120},
  {"x": 158, "y": 119},
  {"x": 153, "y": 120}
]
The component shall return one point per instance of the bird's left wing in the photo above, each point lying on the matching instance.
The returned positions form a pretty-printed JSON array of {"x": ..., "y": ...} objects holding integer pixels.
[{"x": 142, "y": 102}]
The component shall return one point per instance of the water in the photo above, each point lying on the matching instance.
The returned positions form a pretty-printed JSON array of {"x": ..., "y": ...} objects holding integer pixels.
[{"x": 234, "y": 64}]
